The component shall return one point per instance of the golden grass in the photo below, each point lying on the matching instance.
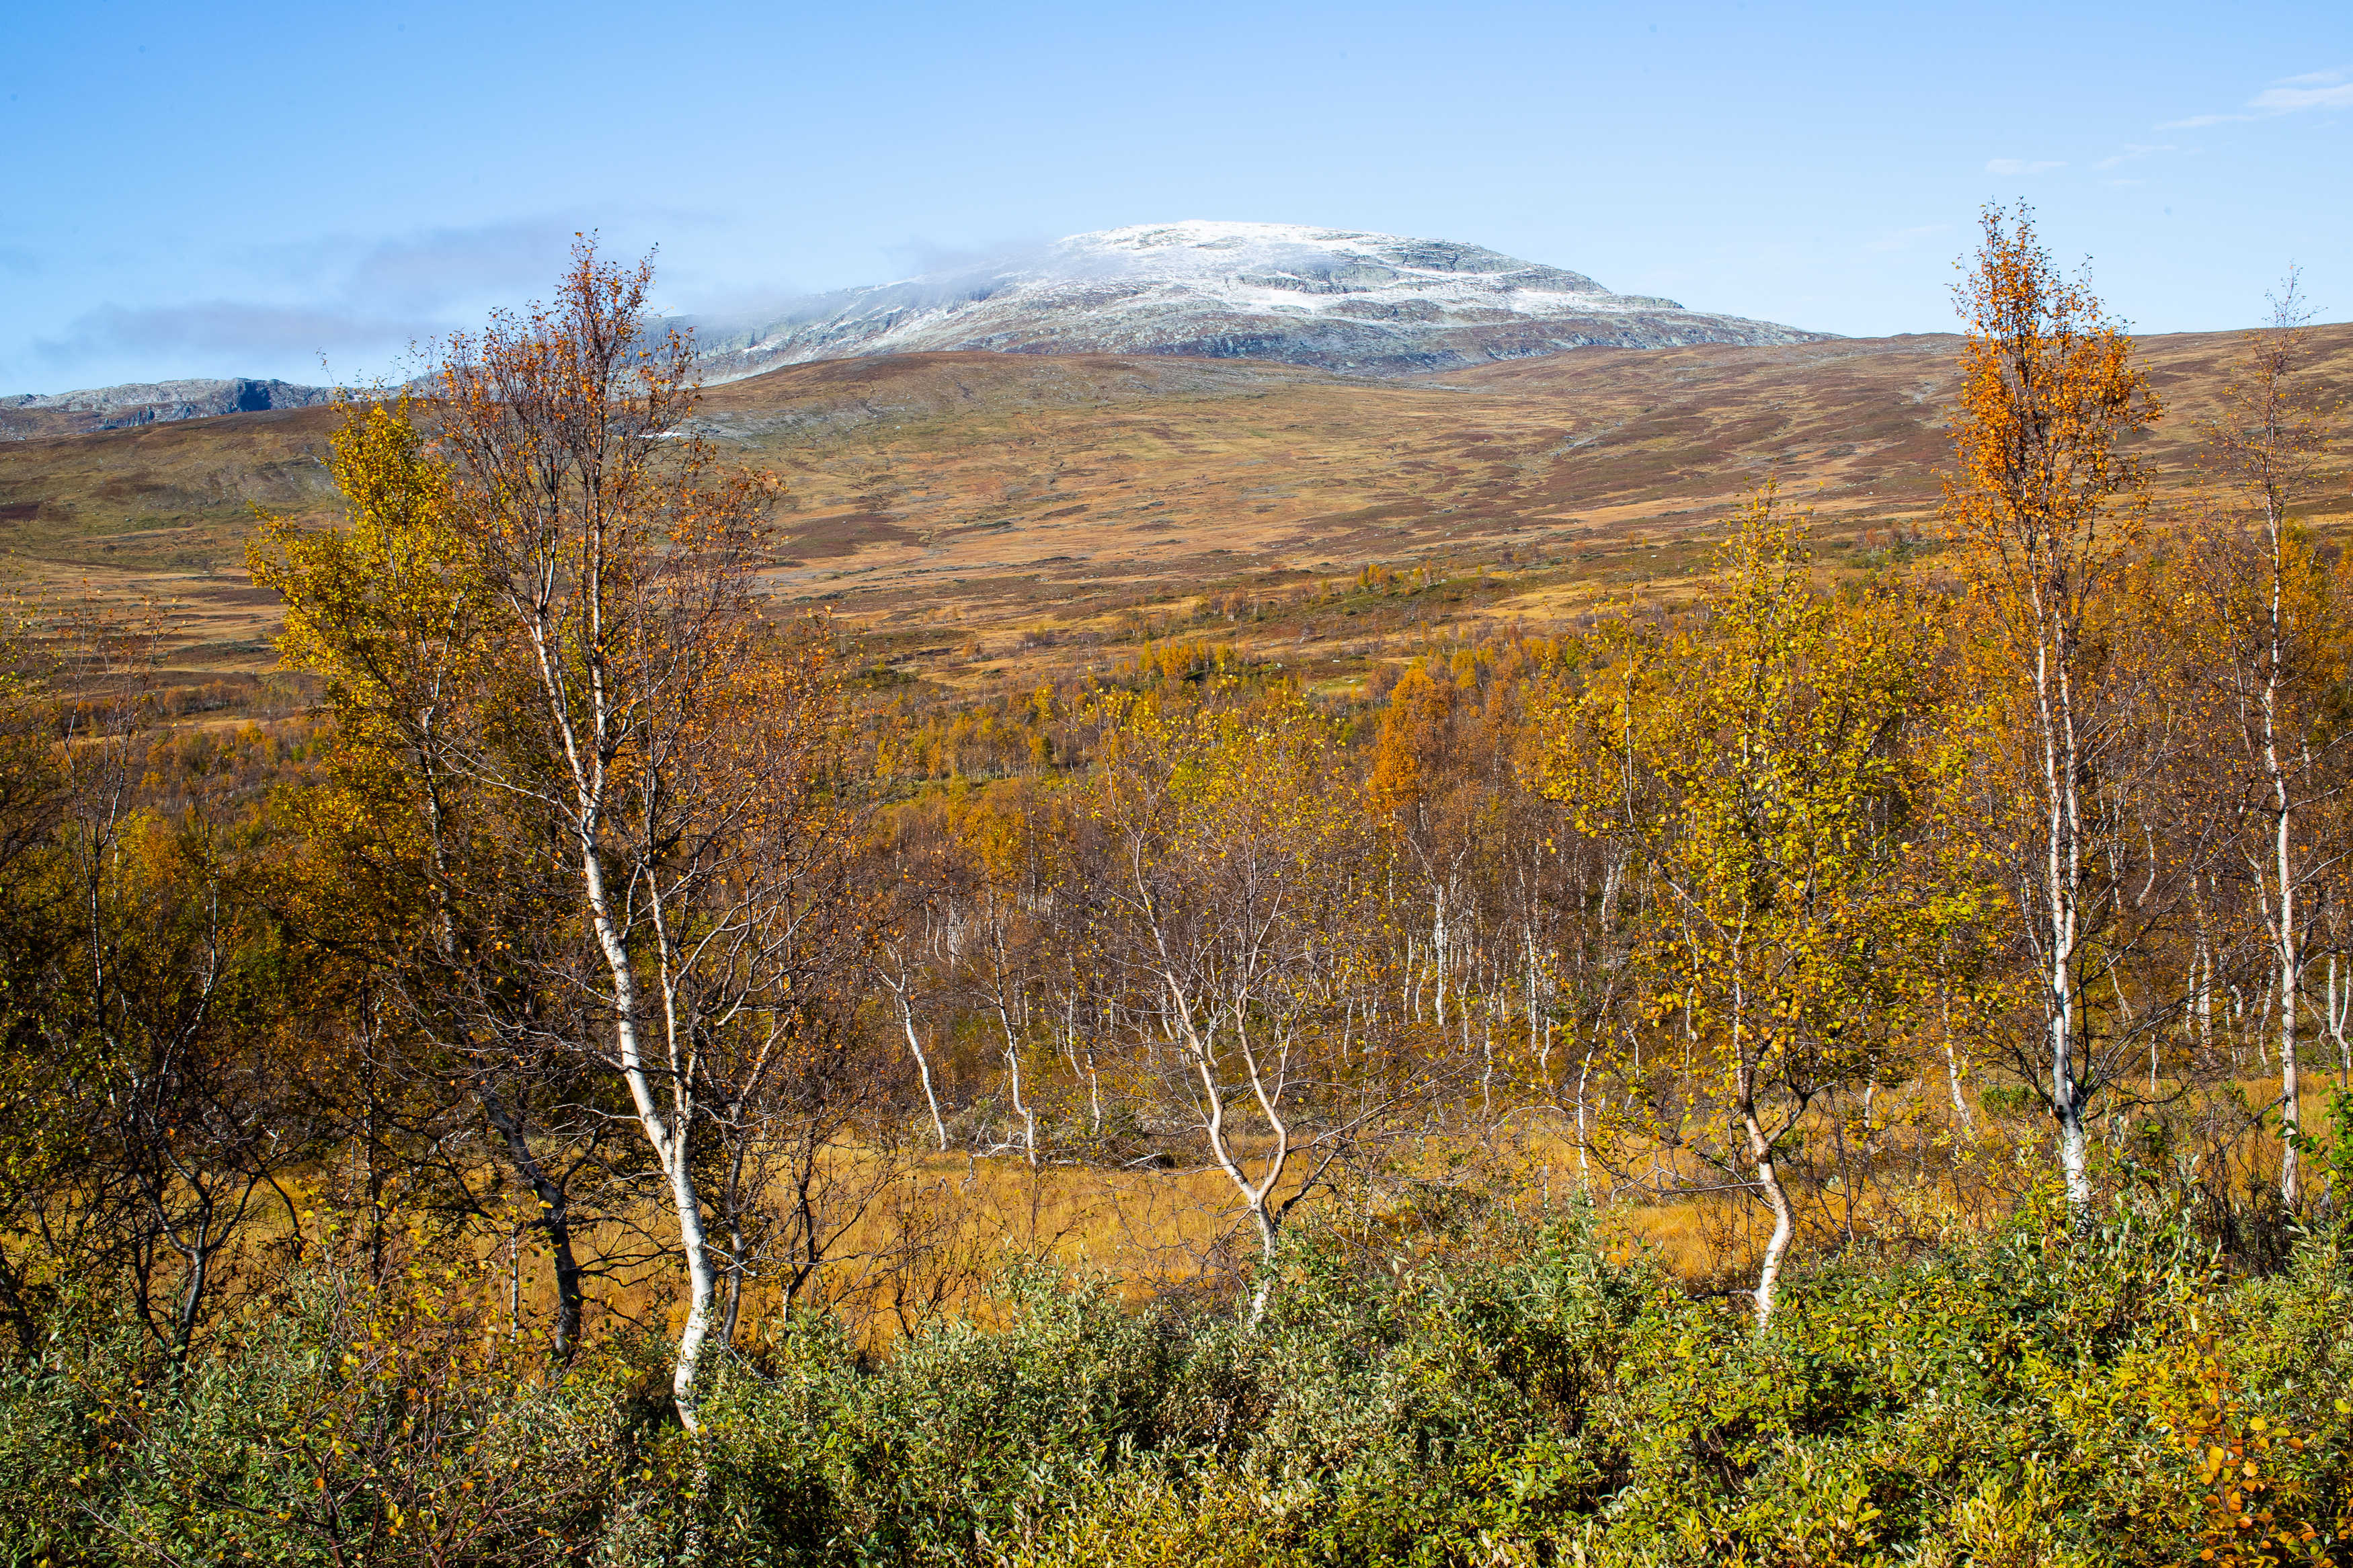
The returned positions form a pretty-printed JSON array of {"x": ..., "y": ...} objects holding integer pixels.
[{"x": 939, "y": 1231}]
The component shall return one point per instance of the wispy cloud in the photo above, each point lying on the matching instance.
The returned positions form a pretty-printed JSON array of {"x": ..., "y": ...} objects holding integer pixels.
[
  {"x": 444, "y": 266},
  {"x": 226, "y": 326},
  {"x": 344, "y": 295},
  {"x": 2321, "y": 89},
  {"x": 430, "y": 269},
  {"x": 922, "y": 257},
  {"x": 2023, "y": 165},
  {"x": 2288, "y": 95},
  {"x": 2131, "y": 151},
  {"x": 1905, "y": 237}
]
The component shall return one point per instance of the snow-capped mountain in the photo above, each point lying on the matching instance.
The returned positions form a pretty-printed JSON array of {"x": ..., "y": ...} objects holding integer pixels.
[
  {"x": 1339, "y": 298},
  {"x": 148, "y": 403}
]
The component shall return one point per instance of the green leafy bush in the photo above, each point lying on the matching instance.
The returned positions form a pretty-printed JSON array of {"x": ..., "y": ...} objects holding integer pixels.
[{"x": 2043, "y": 1397}]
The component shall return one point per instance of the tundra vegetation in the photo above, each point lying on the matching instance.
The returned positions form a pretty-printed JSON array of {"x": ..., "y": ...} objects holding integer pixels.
[{"x": 1821, "y": 1069}]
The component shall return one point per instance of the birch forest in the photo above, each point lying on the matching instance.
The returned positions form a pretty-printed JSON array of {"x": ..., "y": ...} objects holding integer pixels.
[{"x": 1808, "y": 1066}]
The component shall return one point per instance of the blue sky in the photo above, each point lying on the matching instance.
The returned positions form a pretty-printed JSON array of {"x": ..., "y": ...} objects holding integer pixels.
[{"x": 237, "y": 189}]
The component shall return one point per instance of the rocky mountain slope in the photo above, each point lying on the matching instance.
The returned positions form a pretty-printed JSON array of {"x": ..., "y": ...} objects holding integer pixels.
[
  {"x": 1334, "y": 299},
  {"x": 148, "y": 403}
]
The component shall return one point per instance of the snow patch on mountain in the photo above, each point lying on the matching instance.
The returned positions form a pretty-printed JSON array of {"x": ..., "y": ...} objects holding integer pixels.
[
  {"x": 1339, "y": 298},
  {"x": 149, "y": 402}
]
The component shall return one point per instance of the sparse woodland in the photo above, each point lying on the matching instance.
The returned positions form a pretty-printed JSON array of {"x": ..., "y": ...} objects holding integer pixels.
[{"x": 1798, "y": 1072}]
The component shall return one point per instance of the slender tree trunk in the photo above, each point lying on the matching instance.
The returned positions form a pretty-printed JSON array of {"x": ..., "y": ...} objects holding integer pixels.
[
  {"x": 1087, "y": 1067},
  {"x": 2291, "y": 981},
  {"x": 1256, "y": 1195},
  {"x": 2062, "y": 877},
  {"x": 671, "y": 1135},
  {"x": 1777, "y": 1195},
  {"x": 1539, "y": 1050},
  {"x": 702, "y": 1284},
  {"x": 1437, "y": 955},
  {"x": 1013, "y": 1076},
  {"x": 2339, "y": 1006},
  {"x": 734, "y": 1312},
  {"x": 2286, "y": 942},
  {"x": 199, "y": 1259},
  {"x": 1584, "y": 1141},
  {"x": 1262, "y": 1293},
  {"x": 553, "y": 1220},
  {"x": 1745, "y": 1065},
  {"x": 1952, "y": 1075},
  {"x": 739, "y": 1247},
  {"x": 922, "y": 1067}
]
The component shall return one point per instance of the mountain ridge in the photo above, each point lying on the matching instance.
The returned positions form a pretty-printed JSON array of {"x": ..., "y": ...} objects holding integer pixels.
[
  {"x": 136, "y": 403},
  {"x": 1341, "y": 299}
]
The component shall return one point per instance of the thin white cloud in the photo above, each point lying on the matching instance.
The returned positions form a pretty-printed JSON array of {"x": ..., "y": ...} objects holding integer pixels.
[
  {"x": 922, "y": 256},
  {"x": 2023, "y": 165},
  {"x": 2284, "y": 99},
  {"x": 1905, "y": 237},
  {"x": 228, "y": 327},
  {"x": 2288, "y": 95},
  {"x": 429, "y": 269},
  {"x": 2131, "y": 151},
  {"x": 344, "y": 295},
  {"x": 441, "y": 267}
]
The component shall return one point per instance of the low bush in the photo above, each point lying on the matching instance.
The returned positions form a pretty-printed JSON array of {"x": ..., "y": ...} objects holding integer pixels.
[{"x": 2040, "y": 1397}]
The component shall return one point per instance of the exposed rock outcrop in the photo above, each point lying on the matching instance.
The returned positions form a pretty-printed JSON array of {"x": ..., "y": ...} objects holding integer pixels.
[{"x": 148, "y": 403}]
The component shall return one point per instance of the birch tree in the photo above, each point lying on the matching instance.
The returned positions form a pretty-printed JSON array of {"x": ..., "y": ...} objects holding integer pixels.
[
  {"x": 2047, "y": 501},
  {"x": 1231, "y": 879},
  {"x": 1757, "y": 770},
  {"x": 2268, "y": 626},
  {"x": 413, "y": 866},
  {"x": 665, "y": 749}
]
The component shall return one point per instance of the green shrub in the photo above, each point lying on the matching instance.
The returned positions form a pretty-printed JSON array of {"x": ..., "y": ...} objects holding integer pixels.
[{"x": 2040, "y": 1398}]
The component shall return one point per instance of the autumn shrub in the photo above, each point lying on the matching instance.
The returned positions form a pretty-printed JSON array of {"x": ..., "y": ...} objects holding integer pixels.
[
  {"x": 347, "y": 1421},
  {"x": 955, "y": 1445},
  {"x": 1517, "y": 1393},
  {"x": 2033, "y": 1398}
]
